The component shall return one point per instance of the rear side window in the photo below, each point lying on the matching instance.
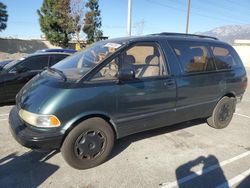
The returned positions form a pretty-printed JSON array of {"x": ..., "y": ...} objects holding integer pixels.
[
  {"x": 56, "y": 58},
  {"x": 36, "y": 63},
  {"x": 193, "y": 56},
  {"x": 223, "y": 57}
]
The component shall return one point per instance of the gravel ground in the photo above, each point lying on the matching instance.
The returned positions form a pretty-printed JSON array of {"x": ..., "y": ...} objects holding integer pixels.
[{"x": 5, "y": 56}]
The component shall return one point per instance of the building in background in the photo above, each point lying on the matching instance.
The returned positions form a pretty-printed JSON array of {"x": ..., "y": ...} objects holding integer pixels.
[{"x": 243, "y": 49}]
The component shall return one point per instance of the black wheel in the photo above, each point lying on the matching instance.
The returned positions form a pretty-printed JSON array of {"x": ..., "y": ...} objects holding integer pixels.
[
  {"x": 223, "y": 113},
  {"x": 88, "y": 144}
]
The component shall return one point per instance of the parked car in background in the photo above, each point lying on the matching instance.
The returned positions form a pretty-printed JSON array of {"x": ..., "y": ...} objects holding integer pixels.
[
  {"x": 15, "y": 74},
  {"x": 5, "y": 62},
  {"x": 124, "y": 86},
  {"x": 57, "y": 50}
]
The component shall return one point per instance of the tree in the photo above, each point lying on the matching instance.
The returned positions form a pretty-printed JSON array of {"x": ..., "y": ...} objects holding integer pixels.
[
  {"x": 3, "y": 16},
  {"x": 93, "y": 22},
  {"x": 77, "y": 15},
  {"x": 55, "y": 22}
]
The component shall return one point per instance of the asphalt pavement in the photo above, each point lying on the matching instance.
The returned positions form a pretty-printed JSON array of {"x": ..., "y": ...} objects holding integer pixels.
[{"x": 189, "y": 154}]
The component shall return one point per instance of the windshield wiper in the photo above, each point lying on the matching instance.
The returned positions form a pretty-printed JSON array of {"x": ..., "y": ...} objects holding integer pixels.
[{"x": 58, "y": 72}]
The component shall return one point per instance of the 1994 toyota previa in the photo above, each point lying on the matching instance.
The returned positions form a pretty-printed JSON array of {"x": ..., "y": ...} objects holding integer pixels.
[{"x": 122, "y": 86}]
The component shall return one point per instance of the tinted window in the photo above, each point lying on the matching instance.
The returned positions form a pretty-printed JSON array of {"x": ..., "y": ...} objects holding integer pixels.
[
  {"x": 35, "y": 63},
  {"x": 223, "y": 57},
  {"x": 193, "y": 56},
  {"x": 146, "y": 60},
  {"x": 56, "y": 58}
]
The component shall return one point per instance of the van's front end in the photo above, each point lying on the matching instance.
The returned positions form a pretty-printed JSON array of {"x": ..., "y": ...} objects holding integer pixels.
[
  {"x": 35, "y": 121},
  {"x": 49, "y": 104}
]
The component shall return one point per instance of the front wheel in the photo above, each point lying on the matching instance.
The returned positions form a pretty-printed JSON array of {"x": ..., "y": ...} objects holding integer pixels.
[
  {"x": 223, "y": 113},
  {"x": 88, "y": 144}
]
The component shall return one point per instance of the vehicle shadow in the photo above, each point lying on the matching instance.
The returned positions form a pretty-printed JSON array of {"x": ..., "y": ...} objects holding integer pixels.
[
  {"x": 123, "y": 143},
  {"x": 245, "y": 183},
  {"x": 27, "y": 170},
  {"x": 210, "y": 175},
  {"x": 7, "y": 104}
]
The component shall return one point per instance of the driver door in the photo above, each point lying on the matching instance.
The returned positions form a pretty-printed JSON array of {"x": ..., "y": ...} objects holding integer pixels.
[{"x": 145, "y": 102}]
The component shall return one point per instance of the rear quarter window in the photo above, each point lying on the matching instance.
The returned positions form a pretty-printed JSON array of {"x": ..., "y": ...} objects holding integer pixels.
[{"x": 224, "y": 57}]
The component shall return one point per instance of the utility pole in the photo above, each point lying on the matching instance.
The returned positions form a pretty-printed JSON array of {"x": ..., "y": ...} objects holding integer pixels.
[
  {"x": 129, "y": 17},
  {"x": 188, "y": 13}
]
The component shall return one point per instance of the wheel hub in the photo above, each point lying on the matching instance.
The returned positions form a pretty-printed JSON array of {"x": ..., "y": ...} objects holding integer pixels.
[
  {"x": 89, "y": 144},
  {"x": 224, "y": 113}
]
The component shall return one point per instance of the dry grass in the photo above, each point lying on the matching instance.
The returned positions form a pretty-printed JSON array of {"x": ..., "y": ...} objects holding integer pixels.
[{"x": 5, "y": 56}]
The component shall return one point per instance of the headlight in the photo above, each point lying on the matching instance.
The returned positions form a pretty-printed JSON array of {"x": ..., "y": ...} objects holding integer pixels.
[{"x": 39, "y": 120}]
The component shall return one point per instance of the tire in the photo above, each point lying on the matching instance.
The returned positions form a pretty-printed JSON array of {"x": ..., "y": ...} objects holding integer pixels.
[
  {"x": 222, "y": 113},
  {"x": 88, "y": 144}
]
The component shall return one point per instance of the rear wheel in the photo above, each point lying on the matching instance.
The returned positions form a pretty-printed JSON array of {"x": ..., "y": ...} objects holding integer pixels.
[
  {"x": 88, "y": 144},
  {"x": 223, "y": 113}
]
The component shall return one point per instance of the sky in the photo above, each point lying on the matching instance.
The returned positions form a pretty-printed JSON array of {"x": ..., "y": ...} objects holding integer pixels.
[{"x": 148, "y": 16}]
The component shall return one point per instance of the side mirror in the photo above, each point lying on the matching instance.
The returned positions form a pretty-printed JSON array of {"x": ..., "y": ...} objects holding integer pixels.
[{"x": 126, "y": 74}]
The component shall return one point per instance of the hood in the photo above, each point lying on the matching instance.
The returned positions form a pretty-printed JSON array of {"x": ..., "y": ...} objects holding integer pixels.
[{"x": 41, "y": 94}]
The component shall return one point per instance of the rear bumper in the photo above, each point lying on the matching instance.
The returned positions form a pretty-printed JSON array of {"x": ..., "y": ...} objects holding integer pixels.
[
  {"x": 239, "y": 98},
  {"x": 30, "y": 137}
]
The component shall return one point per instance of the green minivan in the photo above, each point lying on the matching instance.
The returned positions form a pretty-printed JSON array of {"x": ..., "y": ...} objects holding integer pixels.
[{"x": 123, "y": 86}]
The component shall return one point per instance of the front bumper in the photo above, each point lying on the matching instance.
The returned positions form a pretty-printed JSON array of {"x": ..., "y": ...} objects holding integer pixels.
[{"x": 30, "y": 137}]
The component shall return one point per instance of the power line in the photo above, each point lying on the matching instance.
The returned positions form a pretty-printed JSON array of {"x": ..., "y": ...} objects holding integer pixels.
[
  {"x": 220, "y": 6},
  {"x": 196, "y": 13},
  {"x": 233, "y": 4},
  {"x": 225, "y": 7}
]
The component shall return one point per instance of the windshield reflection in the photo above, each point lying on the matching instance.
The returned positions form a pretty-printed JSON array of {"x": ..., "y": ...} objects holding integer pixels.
[
  {"x": 12, "y": 63},
  {"x": 77, "y": 65}
]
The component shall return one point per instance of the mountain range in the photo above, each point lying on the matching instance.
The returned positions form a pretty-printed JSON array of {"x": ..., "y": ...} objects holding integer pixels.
[{"x": 229, "y": 33}]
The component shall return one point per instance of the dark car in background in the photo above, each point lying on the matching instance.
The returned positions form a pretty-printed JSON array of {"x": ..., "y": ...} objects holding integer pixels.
[
  {"x": 63, "y": 50},
  {"x": 4, "y": 62},
  {"x": 60, "y": 50},
  {"x": 15, "y": 74},
  {"x": 124, "y": 86}
]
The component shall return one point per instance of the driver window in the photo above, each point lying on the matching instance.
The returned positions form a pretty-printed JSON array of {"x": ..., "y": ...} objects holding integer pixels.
[
  {"x": 145, "y": 59},
  {"x": 108, "y": 72}
]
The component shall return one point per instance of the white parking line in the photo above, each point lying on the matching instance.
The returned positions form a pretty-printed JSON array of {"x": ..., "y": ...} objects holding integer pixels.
[
  {"x": 242, "y": 115},
  {"x": 235, "y": 179},
  {"x": 205, "y": 171},
  {"x": 3, "y": 115},
  {"x": 3, "y": 119}
]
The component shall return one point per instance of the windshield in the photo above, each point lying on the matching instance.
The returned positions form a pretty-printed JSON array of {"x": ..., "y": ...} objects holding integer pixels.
[{"x": 76, "y": 66}]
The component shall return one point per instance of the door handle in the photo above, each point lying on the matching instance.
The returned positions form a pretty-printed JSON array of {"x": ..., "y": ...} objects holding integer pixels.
[{"x": 170, "y": 83}]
